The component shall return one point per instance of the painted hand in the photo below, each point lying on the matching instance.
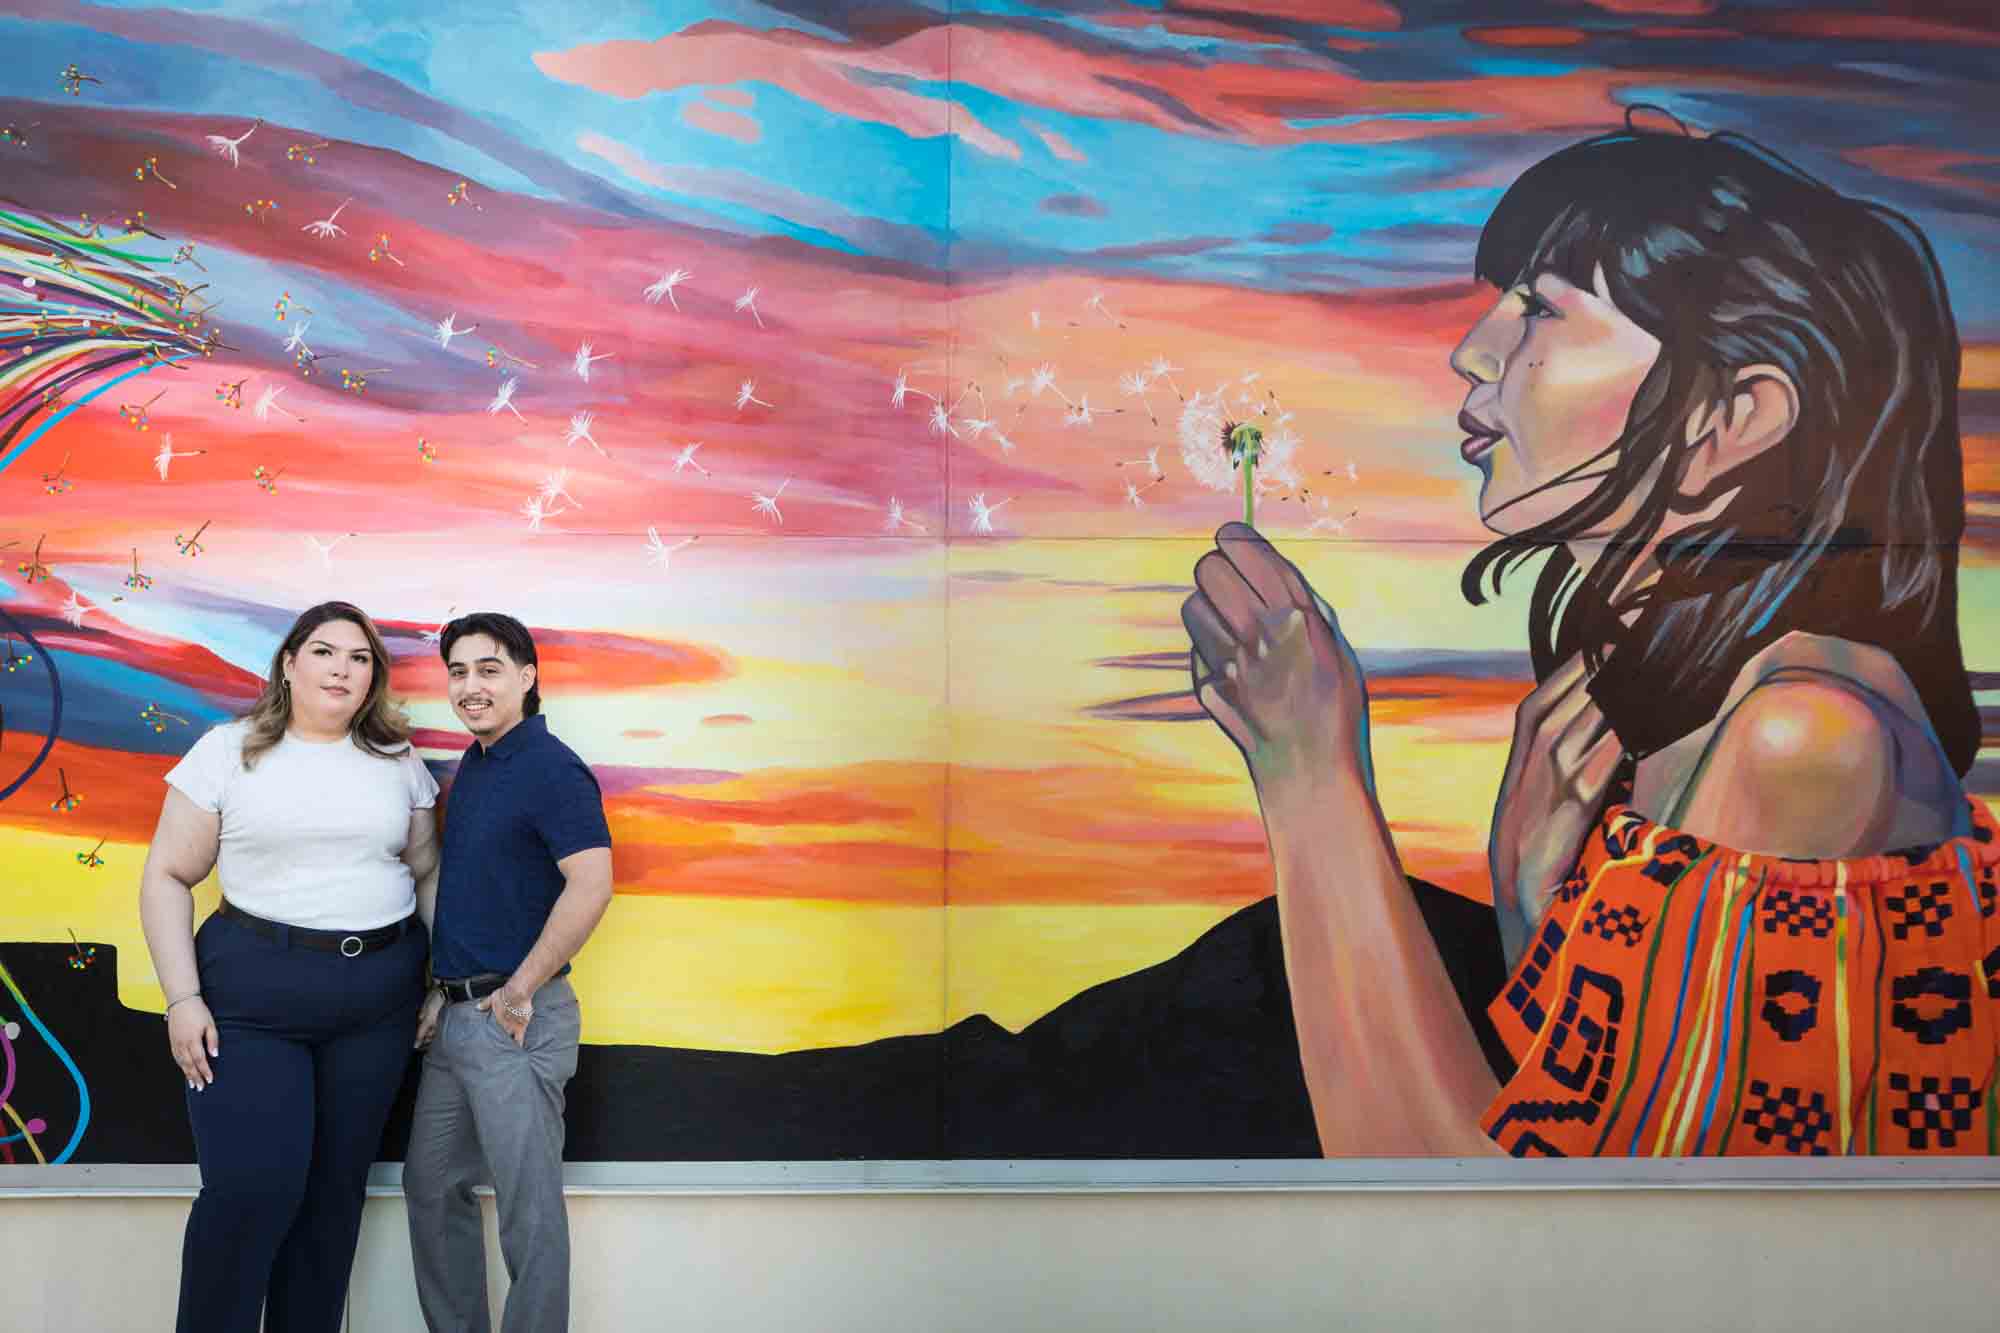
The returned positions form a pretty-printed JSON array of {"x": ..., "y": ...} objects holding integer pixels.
[
  {"x": 1271, "y": 666},
  {"x": 1563, "y": 758}
]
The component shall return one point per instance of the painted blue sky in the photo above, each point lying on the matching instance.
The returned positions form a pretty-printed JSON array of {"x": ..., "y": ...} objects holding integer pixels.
[{"x": 1230, "y": 142}]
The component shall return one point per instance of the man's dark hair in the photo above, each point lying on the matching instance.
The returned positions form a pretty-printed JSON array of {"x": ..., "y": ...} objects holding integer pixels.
[{"x": 514, "y": 640}]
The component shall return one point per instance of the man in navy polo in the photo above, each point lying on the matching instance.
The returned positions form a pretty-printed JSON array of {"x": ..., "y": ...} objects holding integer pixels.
[{"x": 525, "y": 877}]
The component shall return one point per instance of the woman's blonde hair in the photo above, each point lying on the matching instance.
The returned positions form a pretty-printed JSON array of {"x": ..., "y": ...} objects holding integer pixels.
[{"x": 379, "y": 726}]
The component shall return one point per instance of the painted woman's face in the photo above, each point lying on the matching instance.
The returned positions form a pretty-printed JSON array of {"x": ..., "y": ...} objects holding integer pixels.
[{"x": 1553, "y": 369}]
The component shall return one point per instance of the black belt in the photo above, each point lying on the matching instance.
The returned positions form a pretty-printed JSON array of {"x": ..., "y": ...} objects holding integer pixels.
[
  {"x": 347, "y": 943},
  {"x": 463, "y": 990}
]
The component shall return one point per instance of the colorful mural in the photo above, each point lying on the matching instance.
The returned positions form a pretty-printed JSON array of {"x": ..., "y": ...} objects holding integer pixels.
[{"x": 849, "y": 395}]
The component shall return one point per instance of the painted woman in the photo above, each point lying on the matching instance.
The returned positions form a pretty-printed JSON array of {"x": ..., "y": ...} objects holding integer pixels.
[{"x": 1746, "y": 903}]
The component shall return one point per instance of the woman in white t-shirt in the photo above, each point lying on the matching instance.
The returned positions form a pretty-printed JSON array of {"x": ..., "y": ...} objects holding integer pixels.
[{"x": 293, "y": 1010}]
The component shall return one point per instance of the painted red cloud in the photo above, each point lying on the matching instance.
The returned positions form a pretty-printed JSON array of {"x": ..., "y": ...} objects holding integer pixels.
[
  {"x": 834, "y": 75},
  {"x": 1527, "y": 36},
  {"x": 729, "y": 124},
  {"x": 1936, "y": 167}
]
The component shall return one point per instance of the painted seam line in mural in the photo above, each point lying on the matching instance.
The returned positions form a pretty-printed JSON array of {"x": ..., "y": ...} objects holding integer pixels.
[{"x": 1745, "y": 626}]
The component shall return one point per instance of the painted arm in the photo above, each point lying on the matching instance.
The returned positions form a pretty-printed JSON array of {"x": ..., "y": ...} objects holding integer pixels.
[
  {"x": 1391, "y": 1062},
  {"x": 184, "y": 848},
  {"x": 586, "y": 894}
]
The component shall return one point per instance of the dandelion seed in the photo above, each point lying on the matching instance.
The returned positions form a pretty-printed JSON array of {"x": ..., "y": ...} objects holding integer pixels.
[
  {"x": 32, "y": 569},
  {"x": 230, "y": 395},
  {"x": 381, "y": 250},
  {"x": 1000, "y": 438},
  {"x": 261, "y": 209},
  {"x": 188, "y": 546},
  {"x": 504, "y": 397},
  {"x": 746, "y": 393},
  {"x": 897, "y": 519},
  {"x": 1045, "y": 378},
  {"x": 903, "y": 390},
  {"x": 327, "y": 228},
  {"x": 164, "y": 459},
  {"x": 1134, "y": 492},
  {"x": 1035, "y": 320},
  {"x": 767, "y": 505},
  {"x": 426, "y": 451},
  {"x": 267, "y": 400},
  {"x": 73, "y": 80},
  {"x": 432, "y": 637},
  {"x": 748, "y": 301},
  {"x": 303, "y": 152},
  {"x": 1135, "y": 386},
  {"x": 157, "y": 717},
  {"x": 685, "y": 459},
  {"x": 1081, "y": 414},
  {"x": 135, "y": 580},
  {"x": 74, "y": 610},
  {"x": 1151, "y": 462},
  {"x": 1162, "y": 369},
  {"x": 16, "y": 136},
  {"x": 536, "y": 510},
  {"x": 325, "y": 549},
  {"x": 459, "y": 196},
  {"x": 495, "y": 355},
  {"x": 1326, "y": 522},
  {"x": 661, "y": 553},
  {"x": 55, "y": 483},
  {"x": 553, "y": 488},
  {"x": 447, "y": 328},
  {"x": 295, "y": 342},
  {"x": 977, "y": 426},
  {"x": 1096, "y": 302},
  {"x": 581, "y": 362},
  {"x": 1353, "y": 472},
  {"x": 940, "y": 423},
  {"x": 982, "y": 513},
  {"x": 579, "y": 429},
  {"x": 665, "y": 287},
  {"x": 267, "y": 480},
  {"x": 228, "y": 147},
  {"x": 356, "y": 381},
  {"x": 137, "y": 415},
  {"x": 151, "y": 167}
]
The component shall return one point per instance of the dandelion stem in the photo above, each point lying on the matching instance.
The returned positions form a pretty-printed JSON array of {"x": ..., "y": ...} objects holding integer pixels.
[{"x": 1250, "y": 489}]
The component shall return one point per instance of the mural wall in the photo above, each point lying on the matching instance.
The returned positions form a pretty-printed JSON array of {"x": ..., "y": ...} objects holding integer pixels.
[{"x": 850, "y": 396}]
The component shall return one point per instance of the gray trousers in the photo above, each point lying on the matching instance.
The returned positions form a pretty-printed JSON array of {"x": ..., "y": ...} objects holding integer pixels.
[{"x": 489, "y": 1111}]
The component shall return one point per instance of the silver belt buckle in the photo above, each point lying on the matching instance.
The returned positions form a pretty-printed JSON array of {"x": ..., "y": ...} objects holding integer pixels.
[{"x": 354, "y": 952}]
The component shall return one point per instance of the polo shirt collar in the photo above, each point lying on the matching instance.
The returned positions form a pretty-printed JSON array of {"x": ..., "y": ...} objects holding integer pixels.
[{"x": 517, "y": 739}]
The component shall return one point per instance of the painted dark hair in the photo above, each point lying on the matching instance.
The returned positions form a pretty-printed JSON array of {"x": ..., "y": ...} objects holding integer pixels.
[
  {"x": 514, "y": 640},
  {"x": 1731, "y": 257}
]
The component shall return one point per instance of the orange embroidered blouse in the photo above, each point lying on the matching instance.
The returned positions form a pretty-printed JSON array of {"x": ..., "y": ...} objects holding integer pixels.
[{"x": 1680, "y": 998}]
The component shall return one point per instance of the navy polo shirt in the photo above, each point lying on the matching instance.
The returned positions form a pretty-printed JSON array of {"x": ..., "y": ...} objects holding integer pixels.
[{"x": 515, "y": 810}]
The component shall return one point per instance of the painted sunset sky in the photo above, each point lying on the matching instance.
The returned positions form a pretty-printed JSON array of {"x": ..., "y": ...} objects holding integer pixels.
[{"x": 909, "y": 739}]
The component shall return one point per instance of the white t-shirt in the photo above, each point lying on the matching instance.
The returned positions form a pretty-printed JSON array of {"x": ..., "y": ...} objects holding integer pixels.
[{"x": 313, "y": 834}]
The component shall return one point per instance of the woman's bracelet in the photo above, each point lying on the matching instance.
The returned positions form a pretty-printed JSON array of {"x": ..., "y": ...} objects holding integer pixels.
[{"x": 191, "y": 995}]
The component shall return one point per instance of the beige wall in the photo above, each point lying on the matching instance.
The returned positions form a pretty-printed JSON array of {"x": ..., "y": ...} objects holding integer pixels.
[{"x": 1497, "y": 1260}]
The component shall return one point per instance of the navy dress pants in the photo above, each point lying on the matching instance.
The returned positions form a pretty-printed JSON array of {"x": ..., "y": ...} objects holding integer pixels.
[{"x": 313, "y": 1051}]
